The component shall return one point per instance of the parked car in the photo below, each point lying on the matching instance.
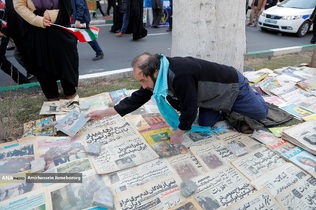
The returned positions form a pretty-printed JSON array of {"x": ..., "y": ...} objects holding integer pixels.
[{"x": 290, "y": 16}]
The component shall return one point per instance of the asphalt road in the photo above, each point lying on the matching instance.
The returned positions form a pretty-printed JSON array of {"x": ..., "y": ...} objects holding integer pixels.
[{"x": 119, "y": 51}]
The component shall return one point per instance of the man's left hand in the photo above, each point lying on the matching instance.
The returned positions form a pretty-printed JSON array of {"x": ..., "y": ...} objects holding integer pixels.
[{"x": 177, "y": 136}]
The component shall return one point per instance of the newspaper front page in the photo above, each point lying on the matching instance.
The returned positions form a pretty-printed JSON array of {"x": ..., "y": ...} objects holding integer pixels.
[
  {"x": 113, "y": 129},
  {"x": 63, "y": 152},
  {"x": 303, "y": 135},
  {"x": 261, "y": 199},
  {"x": 213, "y": 155},
  {"x": 280, "y": 178},
  {"x": 131, "y": 177},
  {"x": 221, "y": 188},
  {"x": 124, "y": 153},
  {"x": 159, "y": 194},
  {"x": 301, "y": 196},
  {"x": 257, "y": 163},
  {"x": 36, "y": 199},
  {"x": 186, "y": 165}
]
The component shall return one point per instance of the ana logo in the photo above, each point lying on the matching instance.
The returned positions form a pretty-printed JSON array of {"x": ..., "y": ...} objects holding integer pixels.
[{"x": 7, "y": 178}]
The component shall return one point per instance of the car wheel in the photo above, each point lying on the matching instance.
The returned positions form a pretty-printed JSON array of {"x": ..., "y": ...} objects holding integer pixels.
[
  {"x": 263, "y": 29},
  {"x": 302, "y": 31}
]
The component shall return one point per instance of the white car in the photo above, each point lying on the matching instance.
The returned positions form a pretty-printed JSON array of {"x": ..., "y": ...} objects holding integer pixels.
[{"x": 290, "y": 16}]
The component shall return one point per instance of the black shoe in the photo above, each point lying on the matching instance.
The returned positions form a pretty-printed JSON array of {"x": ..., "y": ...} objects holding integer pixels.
[
  {"x": 169, "y": 30},
  {"x": 312, "y": 41},
  {"x": 98, "y": 57},
  {"x": 155, "y": 26}
]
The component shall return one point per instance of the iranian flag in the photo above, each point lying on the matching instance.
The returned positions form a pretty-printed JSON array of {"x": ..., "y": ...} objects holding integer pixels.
[{"x": 83, "y": 34}]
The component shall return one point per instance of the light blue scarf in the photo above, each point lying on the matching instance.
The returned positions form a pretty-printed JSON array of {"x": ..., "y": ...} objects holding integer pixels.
[{"x": 160, "y": 95}]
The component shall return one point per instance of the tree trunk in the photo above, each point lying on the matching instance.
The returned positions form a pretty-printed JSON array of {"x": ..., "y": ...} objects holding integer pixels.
[
  {"x": 313, "y": 61},
  {"x": 210, "y": 30},
  {"x": 2, "y": 131}
]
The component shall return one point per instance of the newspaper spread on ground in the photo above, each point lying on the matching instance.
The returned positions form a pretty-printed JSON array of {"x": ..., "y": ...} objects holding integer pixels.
[
  {"x": 186, "y": 165},
  {"x": 194, "y": 139},
  {"x": 112, "y": 129},
  {"x": 221, "y": 188},
  {"x": 129, "y": 178},
  {"x": 64, "y": 153},
  {"x": 75, "y": 195},
  {"x": 280, "y": 178},
  {"x": 36, "y": 199},
  {"x": 257, "y": 163},
  {"x": 16, "y": 156},
  {"x": 94, "y": 102},
  {"x": 303, "y": 135},
  {"x": 124, "y": 153},
  {"x": 303, "y": 159},
  {"x": 240, "y": 141},
  {"x": 261, "y": 199},
  {"x": 72, "y": 123},
  {"x": 159, "y": 194},
  {"x": 39, "y": 127},
  {"x": 300, "y": 196},
  {"x": 213, "y": 155},
  {"x": 188, "y": 204}
]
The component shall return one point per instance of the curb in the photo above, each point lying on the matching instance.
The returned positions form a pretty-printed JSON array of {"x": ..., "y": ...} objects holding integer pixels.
[
  {"x": 279, "y": 51},
  {"x": 127, "y": 72}
]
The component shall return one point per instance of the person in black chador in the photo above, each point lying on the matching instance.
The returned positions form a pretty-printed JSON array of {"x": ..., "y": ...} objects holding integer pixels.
[
  {"x": 117, "y": 18},
  {"x": 136, "y": 19}
]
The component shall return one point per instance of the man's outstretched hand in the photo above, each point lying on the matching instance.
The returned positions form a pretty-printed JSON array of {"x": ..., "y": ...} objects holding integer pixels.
[
  {"x": 177, "y": 136},
  {"x": 99, "y": 114}
]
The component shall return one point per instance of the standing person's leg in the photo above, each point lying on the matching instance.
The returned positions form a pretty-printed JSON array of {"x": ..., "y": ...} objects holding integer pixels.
[
  {"x": 100, "y": 8},
  {"x": 258, "y": 13},
  {"x": 108, "y": 9},
  {"x": 313, "y": 40},
  {"x": 124, "y": 25},
  {"x": 49, "y": 86},
  {"x": 12, "y": 71},
  {"x": 249, "y": 103},
  {"x": 252, "y": 14},
  {"x": 170, "y": 18},
  {"x": 96, "y": 47},
  {"x": 68, "y": 88},
  {"x": 3, "y": 45}
]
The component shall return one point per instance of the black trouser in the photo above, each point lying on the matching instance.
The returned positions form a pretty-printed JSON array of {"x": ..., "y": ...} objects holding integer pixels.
[
  {"x": 110, "y": 4},
  {"x": 100, "y": 9},
  {"x": 12, "y": 71},
  {"x": 157, "y": 14},
  {"x": 314, "y": 31},
  {"x": 50, "y": 87},
  {"x": 6, "y": 65}
]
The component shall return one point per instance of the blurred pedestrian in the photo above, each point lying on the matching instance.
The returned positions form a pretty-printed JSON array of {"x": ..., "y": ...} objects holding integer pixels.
[
  {"x": 81, "y": 15},
  {"x": 170, "y": 18},
  {"x": 51, "y": 50},
  {"x": 117, "y": 18},
  {"x": 109, "y": 6},
  {"x": 98, "y": 8},
  {"x": 124, "y": 8},
  {"x": 136, "y": 19},
  {"x": 257, "y": 6},
  {"x": 157, "y": 12},
  {"x": 312, "y": 19}
]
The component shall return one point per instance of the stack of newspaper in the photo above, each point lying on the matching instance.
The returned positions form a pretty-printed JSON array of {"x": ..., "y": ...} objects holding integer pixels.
[{"x": 302, "y": 135}]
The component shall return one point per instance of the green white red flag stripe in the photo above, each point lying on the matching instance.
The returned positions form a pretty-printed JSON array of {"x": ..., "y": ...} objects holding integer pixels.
[{"x": 83, "y": 34}]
